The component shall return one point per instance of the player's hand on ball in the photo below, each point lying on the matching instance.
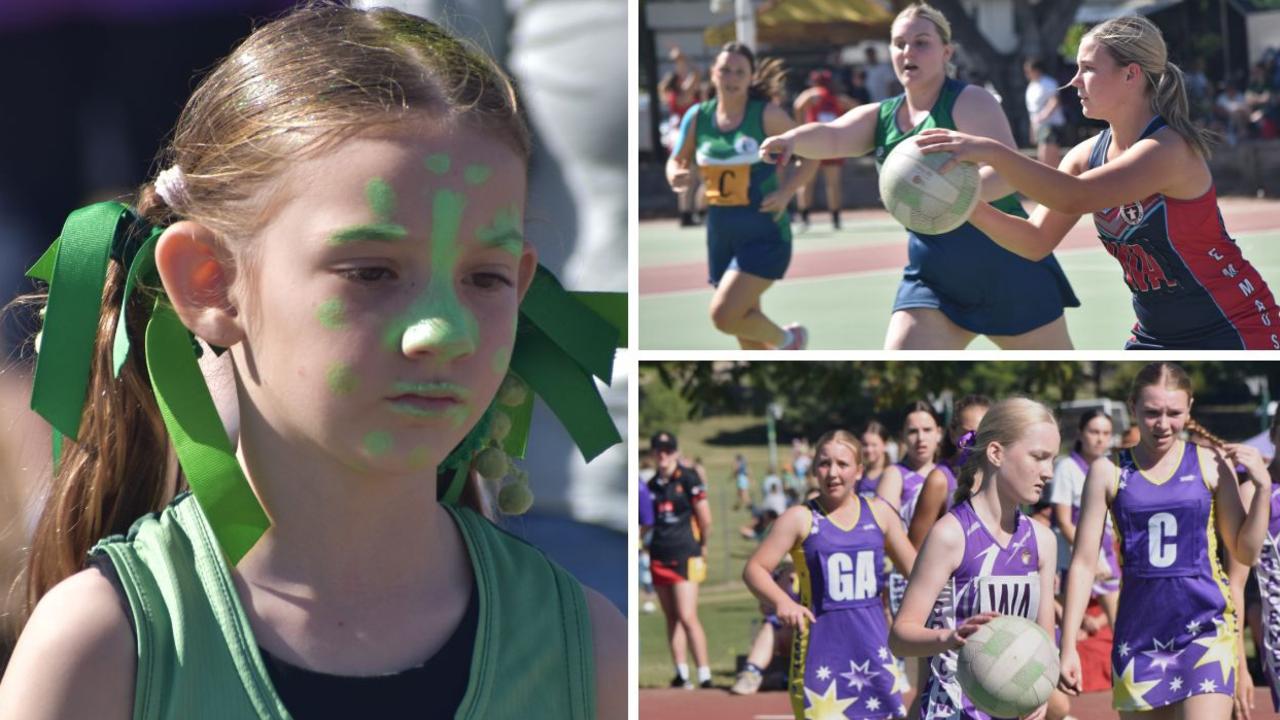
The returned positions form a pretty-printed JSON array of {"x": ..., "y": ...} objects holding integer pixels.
[
  {"x": 794, "y": 614},
  {"x": 963, "y": 148},
  {"x": 1069, "y": 672},
  {"x": 1251, "y": 459},
  {"x": 1039, "y": 714},
  {"x": 777, "y": 149},
  {"x": 970, "y": 626}
]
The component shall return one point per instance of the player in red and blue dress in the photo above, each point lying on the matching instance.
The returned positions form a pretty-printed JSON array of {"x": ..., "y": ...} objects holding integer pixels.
[
  {"x": 1146, "y": 181},
  {"x": 1170, "y": 500},
  {"x": 841, "y": 666},
  {"x": 984, "y": 557},
  {"x": 820, "y": 103},
  {"x": 681, "y": 517}
]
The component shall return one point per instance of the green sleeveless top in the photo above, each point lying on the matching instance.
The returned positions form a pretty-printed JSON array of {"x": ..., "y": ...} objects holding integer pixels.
[
  {"x": 733, "y": 174},
  {"x": 197, "y": 657},
  {"x": 888, "y": 135}
]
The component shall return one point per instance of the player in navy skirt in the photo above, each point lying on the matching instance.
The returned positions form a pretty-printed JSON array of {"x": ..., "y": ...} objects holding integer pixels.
[
  {"x": 1147, "y": 183},
  {"x": 841, "y": 666}
]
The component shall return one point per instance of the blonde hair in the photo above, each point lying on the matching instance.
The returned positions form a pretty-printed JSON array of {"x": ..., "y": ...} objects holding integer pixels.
[
  {"x": 1136, "y": 40},
  {"x": 1161, "y": 374},
  {"x": 1004, "y": 423},
  {"x": 935, "y": 16},
  {"x": 843, "y": 437},
  {"x": 319, "y": 74}
]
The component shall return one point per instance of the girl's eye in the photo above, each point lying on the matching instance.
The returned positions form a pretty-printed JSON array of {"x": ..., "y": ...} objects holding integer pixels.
[
  {"x": 368, "y": 275},
  {"x": 489, "y": 280}
]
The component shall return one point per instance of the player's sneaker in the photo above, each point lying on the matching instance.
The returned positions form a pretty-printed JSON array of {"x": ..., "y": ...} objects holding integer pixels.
[
  {"x": 799, "y": 337},
  {"x": 748, "y": 683},
  {"x": 679, "y": 682},
  {"x": 706, "y": 684}
]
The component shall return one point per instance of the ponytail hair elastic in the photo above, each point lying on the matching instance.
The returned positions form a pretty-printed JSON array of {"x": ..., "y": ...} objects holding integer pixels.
[
  {"x": 171, "y": 186},
  {"x": 965, "y": 447},
  {"x": 564, "y": 341}
]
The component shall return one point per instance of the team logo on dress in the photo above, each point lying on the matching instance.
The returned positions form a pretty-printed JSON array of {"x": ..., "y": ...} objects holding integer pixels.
[
  {"x": 746, "y": 145},
  {"x": 1026, "y": 557},
  {"x": 1132, "y": 213}
]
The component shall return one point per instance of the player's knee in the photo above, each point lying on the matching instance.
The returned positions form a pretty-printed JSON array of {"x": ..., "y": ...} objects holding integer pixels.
[{"x": 725, "y": 317}]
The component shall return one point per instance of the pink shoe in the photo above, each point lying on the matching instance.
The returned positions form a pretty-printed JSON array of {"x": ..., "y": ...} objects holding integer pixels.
[{"x": 799, "y": 337}]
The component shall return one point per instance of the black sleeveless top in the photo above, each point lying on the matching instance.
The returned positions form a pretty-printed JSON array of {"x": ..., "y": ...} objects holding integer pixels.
[{"x": 433, "y": 689}]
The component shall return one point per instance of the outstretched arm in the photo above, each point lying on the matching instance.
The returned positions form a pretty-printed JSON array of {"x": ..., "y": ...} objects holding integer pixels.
[
  {"x": 849, "y": 135},
  {"x": 1145, "y": 168}
]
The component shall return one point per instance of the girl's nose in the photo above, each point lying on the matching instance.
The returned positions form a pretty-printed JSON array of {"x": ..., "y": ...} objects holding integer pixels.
[{"x": 446, "y": 331}]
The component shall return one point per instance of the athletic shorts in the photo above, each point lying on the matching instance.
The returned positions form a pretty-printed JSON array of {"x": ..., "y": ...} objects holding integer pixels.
[
  {"x": 744, "y": 482},
  {"x": 749, "y": 241},
  {"x": 1052, "y": 135},
  {"x": 674, "y": 572}
]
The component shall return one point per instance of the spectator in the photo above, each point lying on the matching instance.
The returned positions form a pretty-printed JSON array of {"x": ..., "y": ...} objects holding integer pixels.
[
  {"x": 880, "y": 79},
  {"x": 1232, "y": 109},
  {"x": 1047, "y": 123},
  {"x": 858, "y": 86}
]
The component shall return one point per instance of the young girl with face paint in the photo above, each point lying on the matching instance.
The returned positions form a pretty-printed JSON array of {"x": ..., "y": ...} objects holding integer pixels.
[
  {"x": 939, "y": 306},
  {"x": 748, "y": 232},
  {"x": 1093, "y": 442},
  {"x": 984, "y": 548},
  {"x": 342, "y": 212},
  {"x": 837, "y": 542},
  {"x": 1171, "y": 500},
  {"x": 1146, "y": 182},
  {"x": 940, "y": 484}
]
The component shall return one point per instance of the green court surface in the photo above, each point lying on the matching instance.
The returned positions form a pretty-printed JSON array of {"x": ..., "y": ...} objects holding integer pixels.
[{"x": 850, "y": 310}]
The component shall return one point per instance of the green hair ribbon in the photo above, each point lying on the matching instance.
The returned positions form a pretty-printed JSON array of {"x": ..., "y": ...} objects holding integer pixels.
[{"x": 562, "y": 341}]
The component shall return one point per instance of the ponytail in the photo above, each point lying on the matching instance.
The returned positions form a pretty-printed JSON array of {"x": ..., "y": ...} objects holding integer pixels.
[
  {"x": 119, "y": 469},
  {"x": 1169, "y": 100}
]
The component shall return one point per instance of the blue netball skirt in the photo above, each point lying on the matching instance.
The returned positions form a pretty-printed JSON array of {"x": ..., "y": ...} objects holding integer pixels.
[
  {"x": 979, "y": 285},
  {"x": 749, "y": 241}
]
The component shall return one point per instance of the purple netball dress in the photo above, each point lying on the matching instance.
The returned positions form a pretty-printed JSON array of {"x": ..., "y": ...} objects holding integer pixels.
[
  {"x": 1269, "y": 587},
  {"x": 867, "y": 485},
  {"x": 841, "y": 666},
  {"x": 990, "y": 578},
  {"x": 912, "y": 484},
  {"x": 1174, "y": 634},
  {"x": 950, "y": 474},
  {"x": 1107, "y": 547}
]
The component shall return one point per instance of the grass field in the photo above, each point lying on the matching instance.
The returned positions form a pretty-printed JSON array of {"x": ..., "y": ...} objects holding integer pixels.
[{"x": 849, "y": 309}]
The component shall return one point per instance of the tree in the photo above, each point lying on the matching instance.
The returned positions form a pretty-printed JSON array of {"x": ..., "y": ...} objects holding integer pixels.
[{"x": 1041, "y": 27}]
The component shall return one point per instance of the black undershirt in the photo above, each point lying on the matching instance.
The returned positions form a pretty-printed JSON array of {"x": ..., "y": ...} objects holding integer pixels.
[{"x": 434, "y": 689}]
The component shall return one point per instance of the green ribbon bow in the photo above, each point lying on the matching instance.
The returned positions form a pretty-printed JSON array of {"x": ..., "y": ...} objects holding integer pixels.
[{"x": 562, "y": 341}]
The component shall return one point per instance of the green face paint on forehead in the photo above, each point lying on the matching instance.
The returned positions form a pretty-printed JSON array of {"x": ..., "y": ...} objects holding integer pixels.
[
  {"x": 476, "y": 174},
  {"x": 332, "y": 314},
  {"x": 504, "y": 232},
  {"x": 382, "y": 203},
  {"x": 438, "y": 163},
  {"x": 378, "y": 442}
]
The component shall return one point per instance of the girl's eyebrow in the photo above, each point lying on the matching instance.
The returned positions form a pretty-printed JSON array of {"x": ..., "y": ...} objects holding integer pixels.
[{"x": 377, "y": 232}]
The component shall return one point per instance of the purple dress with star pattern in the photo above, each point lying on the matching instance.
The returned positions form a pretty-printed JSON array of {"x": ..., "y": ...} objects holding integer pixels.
[
  {"x": 841, "y": 666},
  {"x": 1174, "y": 634},
  {"x": 1269, "y": 588},
  {"x": 990, "y": 578}
]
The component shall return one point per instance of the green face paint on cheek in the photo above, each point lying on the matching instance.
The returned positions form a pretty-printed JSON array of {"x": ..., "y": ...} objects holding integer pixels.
[
  {"x": 377, "y": 442},
  {"x": 332, "y": 314},
  {"x": 476, "y": 174},
  {"x": 341, "y": 380},
  {"x": 438, "y": 163},
  {"x": 419, "y": 458}
]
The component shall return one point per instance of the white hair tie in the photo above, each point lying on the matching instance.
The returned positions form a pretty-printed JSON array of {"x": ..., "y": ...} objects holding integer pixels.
[{"x": 171, "y": 186}]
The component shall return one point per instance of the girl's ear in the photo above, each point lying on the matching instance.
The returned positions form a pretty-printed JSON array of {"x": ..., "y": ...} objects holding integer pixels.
[
  {"x": 528, "y": 266},
  {"x": 995, "y": 454},
  {"x": 197, "y": 276}
]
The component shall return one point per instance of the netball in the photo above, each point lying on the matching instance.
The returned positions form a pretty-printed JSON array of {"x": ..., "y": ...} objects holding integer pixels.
[
  {"x": 921, "y": 198},
  {"x": 1008, "y": 667}
]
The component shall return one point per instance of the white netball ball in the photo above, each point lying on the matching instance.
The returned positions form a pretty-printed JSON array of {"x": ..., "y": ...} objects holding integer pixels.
[
  {"x": 920, "y": 197},
  {"x": 1008, "y": 667}
]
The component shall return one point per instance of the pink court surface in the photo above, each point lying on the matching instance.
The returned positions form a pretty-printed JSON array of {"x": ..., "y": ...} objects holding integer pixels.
[
  {"x": 719, "y": 704},
  {"x": 841, "y": 283}
]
